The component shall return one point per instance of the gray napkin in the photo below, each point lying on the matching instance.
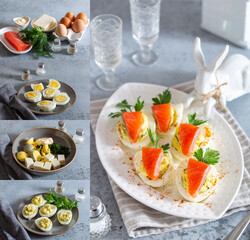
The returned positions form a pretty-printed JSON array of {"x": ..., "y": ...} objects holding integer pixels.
[
  {"x": 8, "y": 167},
  {"x": 10, "y": 107},
  {"x": 10, "y": 228}
]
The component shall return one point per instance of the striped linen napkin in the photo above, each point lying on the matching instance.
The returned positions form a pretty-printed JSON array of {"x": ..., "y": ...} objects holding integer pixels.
[{"x": 141, "y": 220}]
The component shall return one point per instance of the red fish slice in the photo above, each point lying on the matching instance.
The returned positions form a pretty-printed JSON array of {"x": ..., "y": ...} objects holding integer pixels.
[
  {"x": 133, "y": 122},
  {"x": 188, "y": 135},
  {"x": 151, "y": 158},
  {"x": 196, "y": 175},
  {"x": 162, "y": 113},
  {"x": 14, "y": 39}
]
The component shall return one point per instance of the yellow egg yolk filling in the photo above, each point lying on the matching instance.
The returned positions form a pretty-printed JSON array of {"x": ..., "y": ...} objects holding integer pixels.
[
  {"x": 46, "y": 209},
  {"x": 45, "y": 223},
  {"x": 60, "y": 98},
  {"x": 31, "y": 94},
  {"x": 64, "y": 216},
  {"x": 37, "y": 200},
  {"x": 29, "y": 210}
]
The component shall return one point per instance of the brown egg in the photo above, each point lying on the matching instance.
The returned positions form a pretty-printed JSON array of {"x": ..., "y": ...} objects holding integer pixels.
[
  {"x": 71, "y": 16},
  {"x": 78, "y": 25},
  {"x": 61, "y": 30},
  {"x": 82, "y": 16},
  {"x": 66, "y": 22}
]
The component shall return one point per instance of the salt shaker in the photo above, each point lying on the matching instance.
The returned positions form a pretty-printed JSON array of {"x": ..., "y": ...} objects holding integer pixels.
[
  {"x": 59, "y": 187},
  {"x": 80, "y": 195},
  {"x": 56, "y": 46},
  {"x": 40, "y": 69},
  {"x": 26, "y": 75},
  {"x": 79, "y": 136},
  {"x": 62, "y": 126},
  {"x": 72, "y": 48},
  {"x": 100, "y": 221}
]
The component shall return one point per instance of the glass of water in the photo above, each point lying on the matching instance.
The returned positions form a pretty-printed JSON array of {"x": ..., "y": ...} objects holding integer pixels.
[
  {"x": 107, "y": 43},
  {"x": 145, "y": 15}
]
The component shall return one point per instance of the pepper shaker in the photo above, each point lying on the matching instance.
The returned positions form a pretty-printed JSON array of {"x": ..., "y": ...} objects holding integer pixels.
[
  {"x": 72, "y": 48},
  {"x": 26, "y": 75},
  {"x": 59, "y": 187}
]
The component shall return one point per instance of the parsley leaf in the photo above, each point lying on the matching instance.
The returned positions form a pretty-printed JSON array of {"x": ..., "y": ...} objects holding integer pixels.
[
  {"x": 162, "y": 98},
  {"x": 139, "y": 105},
  {"x": 210, "y": 157},
  {"x": 59, "y": 149},
  {"x": 154, "y": 140},
  {"x": 193, "y": 121},
  {"x": 165, "y": 147},
  {"x": 124, "y": 104}
]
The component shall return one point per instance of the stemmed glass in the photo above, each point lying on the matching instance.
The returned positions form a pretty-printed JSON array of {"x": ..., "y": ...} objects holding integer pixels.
[
  {"x": 106, "y": 32},
  {"x": 145, "y": 15}
]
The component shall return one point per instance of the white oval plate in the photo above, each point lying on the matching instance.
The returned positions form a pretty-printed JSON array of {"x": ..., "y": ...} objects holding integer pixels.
[
  {"x": 7, "y": 44},
  {"x": 117, "y": 159}
]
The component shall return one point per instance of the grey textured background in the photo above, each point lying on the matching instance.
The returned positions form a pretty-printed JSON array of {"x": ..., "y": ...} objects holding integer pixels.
[
  {"x": 23, "y": 189},
  {"x": 180, "y": 24},
  {"x": 79, "y": 168},
  {"x": 36, "y": 8},
  {"x": 73, "y": 73}
]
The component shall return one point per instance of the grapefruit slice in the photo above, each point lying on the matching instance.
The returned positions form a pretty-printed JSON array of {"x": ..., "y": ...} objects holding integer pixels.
[{"x": 162, "y": 113}]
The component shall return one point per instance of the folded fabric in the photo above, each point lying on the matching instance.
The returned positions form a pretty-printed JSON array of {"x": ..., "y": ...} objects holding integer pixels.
[
  {"x": 141, "y": 220},
  {"x": 8, "y": 167},
  {"x": 10, "y": 228},
  {"x": 10, "y": 107}
]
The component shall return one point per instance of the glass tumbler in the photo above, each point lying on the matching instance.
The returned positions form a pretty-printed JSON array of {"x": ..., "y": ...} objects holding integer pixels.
[
  {"x": 145, "y": 15},
  {"x": 106, "y": 33}
]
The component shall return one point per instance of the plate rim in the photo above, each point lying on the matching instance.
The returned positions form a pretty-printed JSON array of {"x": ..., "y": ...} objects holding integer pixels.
[{"x": 145, "y": 203}]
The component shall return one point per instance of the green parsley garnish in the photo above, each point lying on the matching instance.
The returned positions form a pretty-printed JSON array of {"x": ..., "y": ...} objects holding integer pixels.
[
  {"x": 162, "y": 98},
  {"x": 154, "y": 140},
  {"x": 193, "y": 121},
  {"x": 210, "y": 157},
  {"x": 59, "y": 149}
]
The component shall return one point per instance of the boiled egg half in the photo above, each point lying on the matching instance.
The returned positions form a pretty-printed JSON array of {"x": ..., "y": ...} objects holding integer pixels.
[
  {"x": 49, "y": 93},
  {"x": 64, "y": 216},
  {"x": 37, "y": 87},
  {"x": 44, "y": 224},
  {"x": 33, "y": 96},
  {"x": 38, "y": 200},
  {"x": 48, "y": 210},
  {"x": 54, "y": 84},
  {"x": 46, "y": 105},
  {"x": 61, "y": 98},
  {"x": 29, "y": 211}
]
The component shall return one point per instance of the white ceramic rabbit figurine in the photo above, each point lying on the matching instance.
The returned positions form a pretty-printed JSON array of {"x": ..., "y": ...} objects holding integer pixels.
[{"x": 224, "y": 80}]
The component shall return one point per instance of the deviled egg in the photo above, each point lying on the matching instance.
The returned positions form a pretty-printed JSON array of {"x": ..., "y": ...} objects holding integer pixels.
[
  {"x": 54, "y": 84},
  {"x": 64, "y": 216},
  {"x": 46, "y": 105},
  {"x": 61, "y": 98},
  {"x": 37, "y": 87},
  {"x": 49, "y": 93},
  {"x": 38, "y": 200},
  {"x": 29, "y": 211},
  {"x": 44, "y": 224},
  {"x": 33, "y": 96},
  {"x": 48, "y": 210}
]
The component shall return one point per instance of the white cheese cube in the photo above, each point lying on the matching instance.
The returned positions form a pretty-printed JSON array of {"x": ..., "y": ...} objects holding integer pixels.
[
  {"x": 38, "y": 165},
  {"x": 61, "y": 159},
  {"x": 47, "y": 166},
  {"x": 49, "y": 157},
  {"x": 55, "y": 164},
  {"x": 29, "y": 163}
]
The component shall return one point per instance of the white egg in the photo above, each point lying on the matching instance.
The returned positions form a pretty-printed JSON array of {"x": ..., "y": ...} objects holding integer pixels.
[
  {"x": 64, "y": 216},
  {"x": 150, "y": 123},
  {"x": 33, "y": 96},
  {"x": 29, "y": 211},
  {"x": 38, "y": 200},
  {"x": 37, "y": 87},
  {"x": 44, "y": 224},
  {"x": 54, "y": 84},
  {"x": 46, "y": 105},
  {"x": 28, "y": 147},
  {"x": 161, "y": 181},
  {"x": 48, "y": 210},
  {"x": 184, "y": 192},
  {"x": 61, "y": 98},
  {"x": 49, "y": 93}
]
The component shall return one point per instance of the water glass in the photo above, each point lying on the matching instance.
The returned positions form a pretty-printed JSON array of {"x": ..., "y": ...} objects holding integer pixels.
[
  {"x": 107, "y": 43},
  {"x": 145, "y": 15}
]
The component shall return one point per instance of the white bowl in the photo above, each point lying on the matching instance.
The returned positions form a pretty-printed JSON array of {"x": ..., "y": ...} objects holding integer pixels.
[
  {"x": 47, "y": 31},
  {"x": 22, "y": 26}
]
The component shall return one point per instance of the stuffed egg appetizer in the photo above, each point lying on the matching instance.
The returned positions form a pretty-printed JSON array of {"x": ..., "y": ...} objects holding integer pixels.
[
  {"x": 64, "y": 217},
  {"x": 44, "y": 224},
  {"x": 153, "y": 164},
  {"x": 61, "y": 98},
  {"x": 29, "y": 211},
  {"x": 46, "y": 105},
  {"x": 49, "y": 93},
  {"x": 38, "y": 200},
  {"x": 33, "y": 96},
  {"x": 197, "y": 177},
  {"x": 54, "y": 84},
  {"x": 168, "y": 116},
  {"x": 48, "y": 210},
  {"x": 133, "y": 124},
  {"x": 190, "y": 136},
  {"x": 37, "y": 87}
]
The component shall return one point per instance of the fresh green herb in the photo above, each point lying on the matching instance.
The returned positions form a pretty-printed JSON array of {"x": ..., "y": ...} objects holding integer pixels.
[
  {"x": 177, "y": 138},
  {"x": 59, "y": 149},
  {"x": 154, "y": 140},
  {"x": 39, "y": 40},
  {"x": 125, "y": 107},
  {"x": 162, "y": 98},
  {"x": 210, "y": 157},
  {"x": 195, "y": 122},
  {"x": 60, "y": 202}
]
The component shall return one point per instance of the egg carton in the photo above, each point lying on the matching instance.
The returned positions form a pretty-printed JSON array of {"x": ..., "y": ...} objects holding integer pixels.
[{"x": 72, "y": 37}]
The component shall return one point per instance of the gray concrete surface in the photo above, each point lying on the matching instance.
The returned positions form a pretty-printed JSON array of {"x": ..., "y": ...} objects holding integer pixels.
[
  {"x": 36, "y": 8},
  {"x": 23, "y": 189},
  {"x": 180, "y": 24},
  {"x": 73, "y": 73},
  {"x": 79, "y": 168}
]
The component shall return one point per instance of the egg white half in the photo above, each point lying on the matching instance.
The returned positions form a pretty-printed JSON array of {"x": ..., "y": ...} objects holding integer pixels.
[
  {"x": 49, "y": 92},
  {"x": 46, "y": 107},
  {"x": 64, "y": 211},
  {"x": 52, "y": 213},
  {"x": 30, "y": 216},
  {"x": 64, "y": 95},
  {"x": 42, "y": 203},
  {"x": 54, "y": 84},
  {"x": 37, "y": 222},
  {"x": 36, "y": 86},
  {"x": 37, "y": 96}
]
